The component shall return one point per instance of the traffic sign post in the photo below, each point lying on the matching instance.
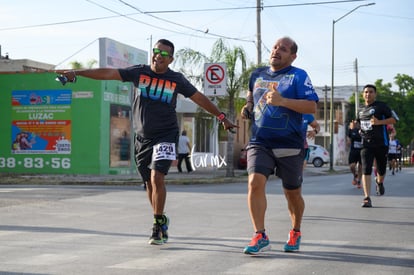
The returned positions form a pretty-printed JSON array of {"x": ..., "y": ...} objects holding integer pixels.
[{"x": 215, "y": 79}]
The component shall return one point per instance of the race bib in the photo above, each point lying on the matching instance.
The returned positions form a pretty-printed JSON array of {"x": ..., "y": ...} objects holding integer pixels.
[
  {"x": 366, "y": 125},
  {"x": 357, "y": 144},
  {"x": 164, "y": 151}
]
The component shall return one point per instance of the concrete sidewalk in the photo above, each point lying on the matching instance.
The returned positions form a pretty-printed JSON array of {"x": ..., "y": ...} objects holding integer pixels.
[{"x": 196, "y": 177}]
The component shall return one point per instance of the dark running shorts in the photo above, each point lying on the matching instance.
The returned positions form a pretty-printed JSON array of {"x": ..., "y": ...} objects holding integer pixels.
[
  {"x": 367, "y": 159},
  {"x": 144, "y": 154},
  {"x": 354, "y": 156},
  {"x": 289, "y": 169}
]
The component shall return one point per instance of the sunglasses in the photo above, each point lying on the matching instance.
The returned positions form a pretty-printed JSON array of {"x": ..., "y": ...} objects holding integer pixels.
[{"x": 156, "y": 51}]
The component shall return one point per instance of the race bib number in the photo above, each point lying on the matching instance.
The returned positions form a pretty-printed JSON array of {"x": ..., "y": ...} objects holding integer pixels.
[
  {"x": 164, "y": 151},
  {"x": 357, "y": 144},
  {"x": 366, "y": 125}
]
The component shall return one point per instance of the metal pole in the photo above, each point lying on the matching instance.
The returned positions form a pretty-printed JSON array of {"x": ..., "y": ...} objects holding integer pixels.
[
  {"x": 331, "y": 151},
  {"x": 331, "y": 129},
  {"x": 356, "y": 89},
  {"x": 259, "y": 32}
]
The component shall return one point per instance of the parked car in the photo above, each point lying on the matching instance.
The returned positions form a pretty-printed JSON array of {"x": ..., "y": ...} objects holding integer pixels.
[{"x": 318, "y": 155}]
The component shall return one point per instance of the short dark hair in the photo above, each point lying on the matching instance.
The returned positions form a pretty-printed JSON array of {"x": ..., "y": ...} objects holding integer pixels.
[
  {"x": 167, "y": 43},
  {"x": 370, "y": 86},
  {"x": 294, "y": 47}
]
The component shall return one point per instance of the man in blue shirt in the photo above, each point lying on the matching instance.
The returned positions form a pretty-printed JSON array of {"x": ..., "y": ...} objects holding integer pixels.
[{"x": 278, "y": 97}]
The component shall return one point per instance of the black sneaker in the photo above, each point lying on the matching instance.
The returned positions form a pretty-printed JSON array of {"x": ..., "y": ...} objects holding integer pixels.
[
  {"x": 156, "y": 237},
  {"x": 366, "y": 202},
  {"x": 380, "y": 189}
]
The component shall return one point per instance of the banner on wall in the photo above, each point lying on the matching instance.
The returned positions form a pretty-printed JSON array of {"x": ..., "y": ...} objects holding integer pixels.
[
  {"x": 41, "y": 122},
  {"x": 120, "y": 137}
]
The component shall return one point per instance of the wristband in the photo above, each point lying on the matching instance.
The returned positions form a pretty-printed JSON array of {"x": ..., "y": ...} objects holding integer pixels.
[
  {"x": 74, "y": 77},
  {"x": 221, "y": 117}
]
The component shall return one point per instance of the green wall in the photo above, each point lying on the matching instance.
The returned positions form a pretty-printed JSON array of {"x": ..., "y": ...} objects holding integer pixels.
[{"x": 90, "y": 131}]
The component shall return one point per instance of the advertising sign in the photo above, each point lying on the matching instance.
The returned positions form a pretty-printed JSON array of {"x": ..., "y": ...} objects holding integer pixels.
[
  {"x": 113, "y": 54},
  {"x": 41, "y": 122}
]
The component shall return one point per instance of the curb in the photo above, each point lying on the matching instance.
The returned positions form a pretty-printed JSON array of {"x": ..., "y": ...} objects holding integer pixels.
[{"x": 202, "y": 177}]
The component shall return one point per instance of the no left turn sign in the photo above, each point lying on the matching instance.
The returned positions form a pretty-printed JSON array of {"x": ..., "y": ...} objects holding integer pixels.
[{"x": 215, "y": 79}]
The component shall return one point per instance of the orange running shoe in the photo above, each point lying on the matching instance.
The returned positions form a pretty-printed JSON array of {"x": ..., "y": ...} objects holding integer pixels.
[
  {"x": 259, "y": 243},
  {"x": 294, "y": 241}
]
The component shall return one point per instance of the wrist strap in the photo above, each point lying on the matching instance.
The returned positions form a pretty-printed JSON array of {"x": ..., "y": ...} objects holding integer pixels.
[{"x": 221, "y": 117}]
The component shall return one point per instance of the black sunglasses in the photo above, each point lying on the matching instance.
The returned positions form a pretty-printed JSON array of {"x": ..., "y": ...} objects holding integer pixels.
[{"x": 156, "y": 51}]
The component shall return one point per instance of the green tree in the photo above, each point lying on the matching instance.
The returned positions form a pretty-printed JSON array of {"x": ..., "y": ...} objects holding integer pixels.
[
  {"x": 404, "y": 127},
  {"x": 401, "y": 102},
  {"x": 191, "y": 64},
  {"x": 75, "y": 65},
  {"x": 405, "y": 83}
]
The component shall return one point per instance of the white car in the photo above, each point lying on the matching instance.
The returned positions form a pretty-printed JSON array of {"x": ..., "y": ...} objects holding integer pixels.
[{"x": 318, "y": 155}]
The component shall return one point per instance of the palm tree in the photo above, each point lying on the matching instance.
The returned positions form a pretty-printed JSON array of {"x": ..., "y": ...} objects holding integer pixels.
[
  {"x": 75, "y": 65},
  {"x": 191, "y": 64}
]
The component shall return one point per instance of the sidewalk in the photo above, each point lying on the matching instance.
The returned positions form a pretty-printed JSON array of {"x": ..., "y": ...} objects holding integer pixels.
[{"x": 197, "y": 177}]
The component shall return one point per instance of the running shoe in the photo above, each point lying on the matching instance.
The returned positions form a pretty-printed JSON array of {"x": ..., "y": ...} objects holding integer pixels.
[
  {"x": 354, "y": 181},
  {"x": 380, "y": 189},
  {"x": 259, "y": 243},
  {"x": 366, "y": 202},
  {"x": 293, "y": 242},
  {"x": 156, "y": 237},
  {"x": 164, "y": 229},
  {"x": 359, "y": 184}
]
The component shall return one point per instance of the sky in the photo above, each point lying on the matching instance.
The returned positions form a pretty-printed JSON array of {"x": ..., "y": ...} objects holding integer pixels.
[{"x": 380, "y": 37}]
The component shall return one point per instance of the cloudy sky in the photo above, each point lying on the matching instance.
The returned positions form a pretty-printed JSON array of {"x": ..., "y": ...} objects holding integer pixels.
[{"x": 379, "y": 36}]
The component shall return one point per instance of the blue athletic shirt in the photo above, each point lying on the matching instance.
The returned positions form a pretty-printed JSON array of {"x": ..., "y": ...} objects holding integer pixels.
[{"x": 275, "y": 126}]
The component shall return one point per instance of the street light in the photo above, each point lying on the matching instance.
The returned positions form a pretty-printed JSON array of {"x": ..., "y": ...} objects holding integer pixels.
[{"x": 331, "y": 152}]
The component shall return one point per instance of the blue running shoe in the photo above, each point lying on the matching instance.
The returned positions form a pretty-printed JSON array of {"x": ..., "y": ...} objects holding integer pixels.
[
  {"x": 259, "y": 243},
  {"x": 294, "y": 241}
]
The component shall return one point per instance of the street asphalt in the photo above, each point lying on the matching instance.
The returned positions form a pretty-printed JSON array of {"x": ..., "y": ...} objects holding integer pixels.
[{"x": 80, "y": 228}]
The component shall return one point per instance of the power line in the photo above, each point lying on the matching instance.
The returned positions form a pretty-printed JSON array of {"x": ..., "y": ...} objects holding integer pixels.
[
  {"x": 130, "y": 18},
  {"x": 76, "y": 52},
  {"x": 149, "y": 12},
  {"x": 63, "y": 23},
  {"x": 183, "y": 26},
  {"x": 263, "y": 6},
  {"x": 183, "y": 11}
]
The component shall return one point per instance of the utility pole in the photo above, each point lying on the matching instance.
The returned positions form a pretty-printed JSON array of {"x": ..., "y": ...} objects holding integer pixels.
[
  {"x": 356, "y": 89},
  {"x": 258, "y": 31},
  {"x": 325, "y": 113}
]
